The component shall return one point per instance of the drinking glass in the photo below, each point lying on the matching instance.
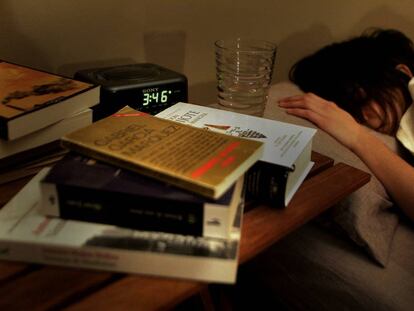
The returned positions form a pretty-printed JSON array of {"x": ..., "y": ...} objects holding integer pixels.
[{"x": 244, "y": 69}]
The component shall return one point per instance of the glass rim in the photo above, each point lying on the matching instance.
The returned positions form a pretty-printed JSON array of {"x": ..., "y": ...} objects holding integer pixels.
[{"x": 257, "y": 45}]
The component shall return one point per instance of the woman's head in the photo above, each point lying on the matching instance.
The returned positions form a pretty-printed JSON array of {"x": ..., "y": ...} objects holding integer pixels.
[{"x": 366, "y": 75}]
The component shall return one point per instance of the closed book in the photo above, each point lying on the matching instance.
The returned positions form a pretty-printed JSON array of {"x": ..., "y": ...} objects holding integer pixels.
[
  {"x": 30, "y": 146},
  {"x": 80, "y": 188},
  {"x": 32, "y": 99},
  {"x": 29, "y": 236},
  {"x": 286, "y": 159},
  {"x": 200, "y": 161}
]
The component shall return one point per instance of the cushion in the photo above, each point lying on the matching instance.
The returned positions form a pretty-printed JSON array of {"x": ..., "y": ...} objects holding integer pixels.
[{"x": 366, "y": 215}]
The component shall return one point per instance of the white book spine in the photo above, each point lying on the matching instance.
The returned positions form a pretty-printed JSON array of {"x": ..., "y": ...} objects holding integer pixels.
[{"x": 186, "y": 267}]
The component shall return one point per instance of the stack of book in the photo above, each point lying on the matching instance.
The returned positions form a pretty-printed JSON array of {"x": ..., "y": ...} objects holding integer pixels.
[
  {"x": 141, "y": 194},
  {"x": 36, "y": 109},
  {"x": 152, "y": 195},
  {"x": 286, "y": 158}
]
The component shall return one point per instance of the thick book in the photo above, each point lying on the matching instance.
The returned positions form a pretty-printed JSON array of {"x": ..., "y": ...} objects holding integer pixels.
[
  {"x": 286, "y": 159},
  {"x": 81, "y": 188},
  {"x": 23, "y": 148},
  {"x": 29, "y": 236},
  {"x": 204, "y": 162},
  {"x": 31, "y": 99}
]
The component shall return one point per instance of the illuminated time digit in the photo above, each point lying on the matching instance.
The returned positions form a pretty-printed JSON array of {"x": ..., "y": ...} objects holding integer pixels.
[
  {"x": 147, "y": 99},
  {"x": 154, "y": 96},
  {"x": 164, "y": 96}
]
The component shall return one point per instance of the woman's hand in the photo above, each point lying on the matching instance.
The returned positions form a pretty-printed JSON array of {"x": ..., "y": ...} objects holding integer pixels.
[
  {"x": 326, "y": 115},
  {"x": 395, "y": 174}
]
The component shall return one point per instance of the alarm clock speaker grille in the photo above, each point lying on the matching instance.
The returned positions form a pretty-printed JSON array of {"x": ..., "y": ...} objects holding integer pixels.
[{"x": 131, "y": 73}]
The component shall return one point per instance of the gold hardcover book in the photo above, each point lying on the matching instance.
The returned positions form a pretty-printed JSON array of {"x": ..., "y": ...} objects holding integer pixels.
[{"x": 195, "y": 159}]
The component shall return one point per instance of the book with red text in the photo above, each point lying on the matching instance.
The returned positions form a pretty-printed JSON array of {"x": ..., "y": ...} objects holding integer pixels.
[
  {"x": 81, "y": 188},
  {"x": 204, "y": 162},
  {"x": 286, "y": 159}
]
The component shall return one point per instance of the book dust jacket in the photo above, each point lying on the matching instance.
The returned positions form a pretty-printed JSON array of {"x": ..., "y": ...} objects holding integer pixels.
[
  {"x": 23, "y": 89},
  {"x": 202, "y": 161}
]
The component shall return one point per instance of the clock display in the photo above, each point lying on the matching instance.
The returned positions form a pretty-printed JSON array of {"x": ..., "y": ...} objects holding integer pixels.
[{"x": 155, "y": 96}]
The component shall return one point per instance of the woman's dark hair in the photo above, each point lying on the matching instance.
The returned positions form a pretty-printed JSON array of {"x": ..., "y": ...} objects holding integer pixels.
[{"x": 359, "y": 70}]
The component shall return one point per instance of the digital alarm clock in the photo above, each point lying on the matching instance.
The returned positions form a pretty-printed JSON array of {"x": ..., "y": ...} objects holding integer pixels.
[{"x": 146, "y": 87}]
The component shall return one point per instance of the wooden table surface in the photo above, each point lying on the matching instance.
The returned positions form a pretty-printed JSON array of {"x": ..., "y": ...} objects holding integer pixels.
[{"x": 39, "y": 287}]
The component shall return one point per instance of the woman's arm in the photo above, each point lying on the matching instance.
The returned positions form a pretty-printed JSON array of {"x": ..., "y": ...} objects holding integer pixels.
[{"x": 394, "y": 173}]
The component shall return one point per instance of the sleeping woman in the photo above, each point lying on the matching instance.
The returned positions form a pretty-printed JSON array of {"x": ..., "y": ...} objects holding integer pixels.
[{"x": 365, "y": 81}]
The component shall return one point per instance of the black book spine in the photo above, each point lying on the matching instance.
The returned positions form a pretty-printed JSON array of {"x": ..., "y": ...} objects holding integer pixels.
[
  {"x": 4, "y": 129},
  {"x": 266, "y": 183},
  {"x": 128, "y": 210}
]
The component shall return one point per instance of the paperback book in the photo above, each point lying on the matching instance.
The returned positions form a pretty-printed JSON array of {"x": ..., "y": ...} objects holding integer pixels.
[
  {"x": 81, "y": 188},
  {"x": 204, "y": 162},
  {"x": 286, "y": 159},
  {"x": 21, "y": 149},
  {"x": 31, "y": 99},
  {"x": 29, "y": 236}
]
